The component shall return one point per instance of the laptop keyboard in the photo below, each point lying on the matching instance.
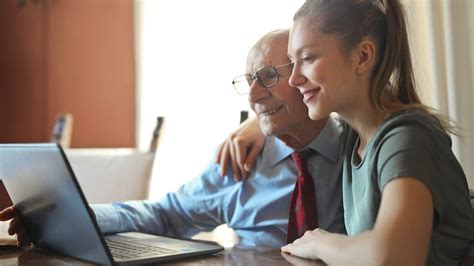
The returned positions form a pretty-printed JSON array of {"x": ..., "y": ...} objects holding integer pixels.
[{"x": 128, "y": 250}]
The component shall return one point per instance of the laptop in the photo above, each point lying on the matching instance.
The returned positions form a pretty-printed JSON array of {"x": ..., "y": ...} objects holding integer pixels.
[{"x": 57, "y": 217}]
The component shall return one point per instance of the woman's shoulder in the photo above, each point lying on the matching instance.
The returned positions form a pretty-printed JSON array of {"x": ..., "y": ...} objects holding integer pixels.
[
  {"x": 411, "y": 116},
  {"x": 413, "y": 129},
  {"x": 412, "y": 121}
]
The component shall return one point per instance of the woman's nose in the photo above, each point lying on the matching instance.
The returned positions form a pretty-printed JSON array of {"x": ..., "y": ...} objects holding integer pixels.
[{"x": 296, "y": 78}]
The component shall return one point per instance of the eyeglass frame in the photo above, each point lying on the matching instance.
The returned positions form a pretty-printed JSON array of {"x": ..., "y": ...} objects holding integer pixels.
[{"x": 254, "y": 77}]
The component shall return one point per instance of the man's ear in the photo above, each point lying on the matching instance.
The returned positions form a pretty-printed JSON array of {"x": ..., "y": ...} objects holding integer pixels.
[{"x": 365, "y": 56}]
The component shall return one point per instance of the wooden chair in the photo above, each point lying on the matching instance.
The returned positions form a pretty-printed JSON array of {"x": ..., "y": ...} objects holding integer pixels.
[{"x": 62, "y": 130}]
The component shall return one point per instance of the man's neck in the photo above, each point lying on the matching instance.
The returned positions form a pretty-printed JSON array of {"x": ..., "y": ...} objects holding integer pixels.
[{"x": 302, "y": 136}]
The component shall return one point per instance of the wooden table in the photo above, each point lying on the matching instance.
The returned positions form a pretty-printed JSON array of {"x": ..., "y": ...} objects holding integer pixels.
[{"x": 237, "y": 255}]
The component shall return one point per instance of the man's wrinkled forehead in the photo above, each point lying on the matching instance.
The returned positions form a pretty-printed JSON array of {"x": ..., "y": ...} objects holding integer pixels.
[
  {"x": 269, "y": 53},
  {"x": 257, "y": 59}
]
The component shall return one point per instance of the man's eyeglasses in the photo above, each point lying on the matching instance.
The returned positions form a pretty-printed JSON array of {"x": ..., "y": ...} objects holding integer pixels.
[{"x": 267, "y": 77}]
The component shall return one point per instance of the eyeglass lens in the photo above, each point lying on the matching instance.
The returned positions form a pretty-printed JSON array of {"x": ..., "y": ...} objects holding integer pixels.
[{"x": 267, "y": 77}]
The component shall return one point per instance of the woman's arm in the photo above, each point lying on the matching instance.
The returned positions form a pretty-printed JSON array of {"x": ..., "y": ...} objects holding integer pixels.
[
  {"x": 241, "y": 149},
  {"x": 400, "y": 236}
]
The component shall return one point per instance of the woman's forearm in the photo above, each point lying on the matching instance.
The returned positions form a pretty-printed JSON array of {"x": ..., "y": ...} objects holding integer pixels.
[
  {"x": 363, "y": 249},
  {"x": 400, "y": 236}
]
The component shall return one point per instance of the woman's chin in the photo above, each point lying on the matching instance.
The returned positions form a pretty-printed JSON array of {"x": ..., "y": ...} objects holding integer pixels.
[{"x": 317, "y": 114}]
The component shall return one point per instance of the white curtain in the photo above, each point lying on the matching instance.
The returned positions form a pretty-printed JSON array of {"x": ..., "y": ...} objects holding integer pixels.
[{"x": 442, "y": 36}]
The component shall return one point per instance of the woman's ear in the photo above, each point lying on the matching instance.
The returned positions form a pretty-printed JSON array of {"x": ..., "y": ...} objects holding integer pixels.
[{"x": 365, "y": 56}]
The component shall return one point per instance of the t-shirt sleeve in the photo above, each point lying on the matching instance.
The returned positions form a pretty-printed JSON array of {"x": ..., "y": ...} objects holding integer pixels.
[{"x": 409, "y": 151}]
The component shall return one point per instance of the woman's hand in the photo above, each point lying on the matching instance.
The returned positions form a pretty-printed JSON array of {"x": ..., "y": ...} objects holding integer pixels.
[
  {"x": 241, "y": 148},
  {"x": 293, "y": 260},
  {"x": 305, "y": 246},
  {"x": 16, "y": 227}
]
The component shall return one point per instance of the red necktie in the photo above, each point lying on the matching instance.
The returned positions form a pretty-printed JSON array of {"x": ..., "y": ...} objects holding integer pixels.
[{"x": 303, "y": 212}]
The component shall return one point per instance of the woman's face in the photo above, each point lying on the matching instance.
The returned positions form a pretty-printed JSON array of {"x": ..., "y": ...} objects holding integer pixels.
[{"x": 322, "y": 72}]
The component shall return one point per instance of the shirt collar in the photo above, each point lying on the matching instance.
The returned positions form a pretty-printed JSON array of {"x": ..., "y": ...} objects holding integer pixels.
[{"x": 327, "y": 143}]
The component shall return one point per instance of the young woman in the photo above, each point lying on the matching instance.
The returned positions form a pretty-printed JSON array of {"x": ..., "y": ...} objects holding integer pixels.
[{"x": 406, "y": 198}]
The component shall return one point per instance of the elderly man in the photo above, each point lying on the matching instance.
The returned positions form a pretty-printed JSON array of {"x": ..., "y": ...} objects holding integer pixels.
[{"x": 260, "y": 208}]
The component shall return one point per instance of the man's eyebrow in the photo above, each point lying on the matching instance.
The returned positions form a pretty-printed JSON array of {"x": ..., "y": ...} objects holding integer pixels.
[{"x": 263, "y": 66}]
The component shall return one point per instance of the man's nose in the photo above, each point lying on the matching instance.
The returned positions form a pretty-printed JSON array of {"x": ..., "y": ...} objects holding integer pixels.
[{"x": 257, "y": 92}]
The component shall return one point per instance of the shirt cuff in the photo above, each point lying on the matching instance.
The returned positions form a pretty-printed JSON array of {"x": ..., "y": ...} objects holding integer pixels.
[{"x": 107, "y": 217}]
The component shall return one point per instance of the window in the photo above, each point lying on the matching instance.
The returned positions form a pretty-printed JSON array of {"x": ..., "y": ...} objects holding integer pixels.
[{"x": 188, "y": 52}]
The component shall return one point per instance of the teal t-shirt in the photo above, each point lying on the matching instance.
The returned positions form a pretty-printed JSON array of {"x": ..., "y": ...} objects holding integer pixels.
[{"x": 410, "y": 143}]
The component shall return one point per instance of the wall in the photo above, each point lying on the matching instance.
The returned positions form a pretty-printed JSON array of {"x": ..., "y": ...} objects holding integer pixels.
[
  {"x": 72, "y": 56},
  {"x": 21, "y": 73}
]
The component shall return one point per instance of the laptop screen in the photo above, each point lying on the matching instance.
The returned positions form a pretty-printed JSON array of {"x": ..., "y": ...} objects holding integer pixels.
[{"x": 51, "y": 204}]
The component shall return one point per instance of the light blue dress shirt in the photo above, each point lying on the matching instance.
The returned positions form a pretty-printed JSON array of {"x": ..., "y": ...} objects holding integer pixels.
[{"x": 256, "y": 209}]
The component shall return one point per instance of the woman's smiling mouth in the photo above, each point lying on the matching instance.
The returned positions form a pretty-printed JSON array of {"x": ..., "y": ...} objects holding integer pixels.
[{"x": 308, "y": 94}]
